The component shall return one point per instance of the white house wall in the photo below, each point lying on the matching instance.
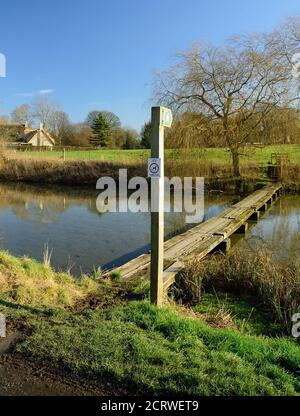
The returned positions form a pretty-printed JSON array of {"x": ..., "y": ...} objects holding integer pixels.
[{"x": 44, "y": 141}]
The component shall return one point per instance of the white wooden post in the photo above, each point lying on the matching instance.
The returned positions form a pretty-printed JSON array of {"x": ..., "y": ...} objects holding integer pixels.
[{"x": 160, "y": 117}]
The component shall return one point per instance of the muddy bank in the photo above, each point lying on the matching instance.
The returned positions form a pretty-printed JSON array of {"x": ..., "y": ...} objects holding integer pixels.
[
  {"x": 22, "y": 377},
  {"x": 18, "y": 379}
]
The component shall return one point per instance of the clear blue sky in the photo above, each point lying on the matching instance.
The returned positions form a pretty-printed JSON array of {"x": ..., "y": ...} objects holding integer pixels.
[{"x": 97, "y": 54}]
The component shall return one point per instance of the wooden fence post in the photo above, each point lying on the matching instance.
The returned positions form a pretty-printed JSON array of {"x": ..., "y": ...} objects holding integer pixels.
[
  {"x": 160, "y": 117},
  {"x": 157, "y": 203}
]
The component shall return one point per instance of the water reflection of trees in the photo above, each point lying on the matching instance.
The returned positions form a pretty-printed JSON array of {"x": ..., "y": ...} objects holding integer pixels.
[
  {"x": 287, "y": 205},
  {"x": 44, "y": 204},
  {"x": 280, "y": 231}
]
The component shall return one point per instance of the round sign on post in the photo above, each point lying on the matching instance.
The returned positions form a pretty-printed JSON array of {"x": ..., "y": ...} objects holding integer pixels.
[{"x": 154, "y": 167}]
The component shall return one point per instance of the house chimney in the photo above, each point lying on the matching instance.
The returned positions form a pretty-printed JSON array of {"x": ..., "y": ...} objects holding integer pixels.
[
  {"x": 41, "y": 126},
  {"x": 26, "y": 124}
]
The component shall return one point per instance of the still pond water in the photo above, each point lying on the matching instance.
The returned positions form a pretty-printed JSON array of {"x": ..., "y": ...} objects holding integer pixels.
[{"x": 66, "y": 219}]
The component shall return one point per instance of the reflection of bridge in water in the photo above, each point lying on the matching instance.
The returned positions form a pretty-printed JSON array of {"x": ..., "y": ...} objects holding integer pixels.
[{"x": 210, "y": 236}]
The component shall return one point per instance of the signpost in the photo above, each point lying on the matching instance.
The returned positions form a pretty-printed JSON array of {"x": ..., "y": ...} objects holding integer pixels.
[{"x": 160, "y": 117}]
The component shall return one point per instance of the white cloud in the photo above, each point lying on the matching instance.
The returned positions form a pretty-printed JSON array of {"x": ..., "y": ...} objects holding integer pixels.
[
  {"x": 46, "y": 91},
  {"x": 33, "y": 93}
]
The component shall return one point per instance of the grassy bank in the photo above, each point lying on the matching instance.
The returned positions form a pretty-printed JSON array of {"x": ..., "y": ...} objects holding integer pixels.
[
  {"x": 59, "y": 172},
  {"x": 274, "y": 284},
  {"x": 162, "y": 352},
  {"x": 212, "y": 164},
  {"x": 24, "y": 281},
  {"x": 87, "y": 172},
  {"x": 88, "y": 328}
]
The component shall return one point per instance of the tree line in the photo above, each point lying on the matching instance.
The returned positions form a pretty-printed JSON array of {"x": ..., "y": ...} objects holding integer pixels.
[{"x": 100, "y": 128}]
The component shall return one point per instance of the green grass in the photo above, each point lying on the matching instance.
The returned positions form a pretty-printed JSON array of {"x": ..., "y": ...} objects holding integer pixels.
[
  {"x": 88, "y": 329},
  {"x": 27, "y": 282},
  {"x": 159, "y": 351},
  {"x": 101, "y": 155},
  {"x": 245, "y": 313},
  {"x": 213, "y": 155}
]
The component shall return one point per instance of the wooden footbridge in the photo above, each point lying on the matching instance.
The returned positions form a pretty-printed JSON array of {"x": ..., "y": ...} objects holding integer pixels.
[{"x": 207, "y": 237}]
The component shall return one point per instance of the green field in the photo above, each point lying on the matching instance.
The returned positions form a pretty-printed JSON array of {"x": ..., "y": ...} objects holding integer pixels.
[{"x": 212, "y": 155}]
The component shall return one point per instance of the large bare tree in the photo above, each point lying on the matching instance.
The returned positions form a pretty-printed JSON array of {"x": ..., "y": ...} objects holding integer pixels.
[
  {"x": 235, "y": 86},
  {"x": 60, "y": 125},
  {"x": 22, "y": 114},
  {"x": 44, "y": 110}
]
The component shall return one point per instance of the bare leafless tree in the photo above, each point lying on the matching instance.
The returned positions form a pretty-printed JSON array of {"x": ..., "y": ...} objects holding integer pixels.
[
  {"x": 236, "y": 86},
  {"x": 22, "y": 114},
  {"x": 286, "y": 39},
  {"x": 60, "y": 126},
  {"x": 44, "y": 109}
]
